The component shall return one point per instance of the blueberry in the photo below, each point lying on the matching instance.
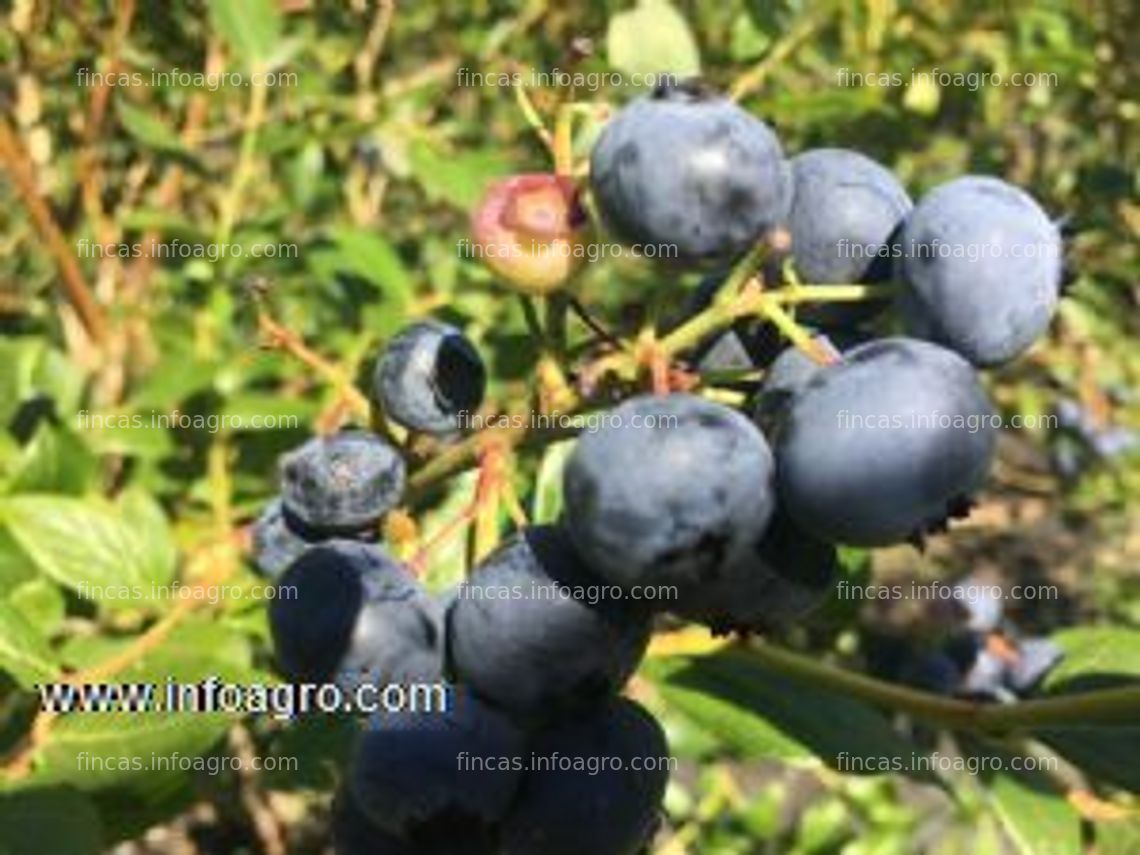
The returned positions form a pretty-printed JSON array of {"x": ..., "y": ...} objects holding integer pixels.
[
  {"x": 347, "y": 606},
  {"x": 685, "y": 168},
  {"x": 786, "y": 376},
  {"x": 982, "y": 263},
  {"x": 886, "y": 445},
  {"x": 341, "y": 484},
  {"x": 600, "y": 790},
  {"x": 1073, "y": 417},
  {"x": 429, "y": 377},
  {"x": 726, "y": 351},
  {"x": 1114, "y": 442},
  {"x": 1036, "y": 657},
  {"x": 275, "y": 544},
  {"x": 791, "y": 573},
  {"x": 933, "y": 672},
  {"x": 669, "y": 491},
  {"x": 846, "y": 214},
  {"x": 531, "y": 631},
  {"x": 415, "y": 772},
  {"x": 354, "y": 834}
]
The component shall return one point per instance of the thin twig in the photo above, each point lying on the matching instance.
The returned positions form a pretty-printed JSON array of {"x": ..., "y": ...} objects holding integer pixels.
[{"x": 75, "y": 287}]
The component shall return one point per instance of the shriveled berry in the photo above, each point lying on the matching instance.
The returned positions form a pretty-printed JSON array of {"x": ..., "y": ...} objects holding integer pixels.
[
  {"x": 341, "y": 484},
  {"x": 429, "y": 378}
]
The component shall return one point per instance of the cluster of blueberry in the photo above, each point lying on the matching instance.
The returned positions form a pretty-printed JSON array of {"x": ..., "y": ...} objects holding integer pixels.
[
  {"x": 687, "y": 169},
  {"x": 987, "y": 658},
  {"x": 1085, "y": 438},
  {"x": 530, "y": 677},
  {"x": 733, "y": 519}
]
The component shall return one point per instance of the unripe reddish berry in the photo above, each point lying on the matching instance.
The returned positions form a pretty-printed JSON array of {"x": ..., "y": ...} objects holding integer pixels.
[{"x": 530, "y": 230}]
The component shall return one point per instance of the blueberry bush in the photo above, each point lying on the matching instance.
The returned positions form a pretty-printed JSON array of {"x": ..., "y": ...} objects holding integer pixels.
[{"x": 731, "y": 406}]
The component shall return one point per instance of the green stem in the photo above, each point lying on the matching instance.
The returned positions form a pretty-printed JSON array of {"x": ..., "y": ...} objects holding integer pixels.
[
  {"x": 742, "y": 272},
  {"x": 693, "y": 331},
  {"x": 830, "y": 293},
  {"x": 533, "y": 324},
  {"x": 557, "y": 312},
  {"x": 795, "y": 333},
  {"x": 456, "y": 458},
  {"x": 231, "y": 202},
  {"x": 1119, "y": 706}
]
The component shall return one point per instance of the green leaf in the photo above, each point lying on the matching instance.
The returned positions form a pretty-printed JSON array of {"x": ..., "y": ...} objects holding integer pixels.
[
  {"x": 98, "y": 750},
  {"x": 1106, "y": 754},
  {"x": 1118, "y": 838},
  {"x": 55, "y": 461},
  {"x": 86, "y": 546},
  {"x": 447, "y": 564},
  {"x": 148, "y": 129},
  {"x": 547, "y": 502},
  {"x": 763, "y": 713},
  {"x": 127, "y": 434},
  {"x": 40, "y": 601},
  {"x": 458, "y": 178},
  {"x": 15, "y": 565},
  {"x": 748, "y": 41},
  {"x": 18, "y": 359},
  {"x": 252, "y": 28},
  {"x": 147, "y": 520},
  {"x": 374, "y": 259},
  {"x": 23, "y": 651},
  {"x": 1095, "y": 656},
  {"x": 260, "y": 411},
  {"x": 652, "y": 39},
  {"x": 50, "y": 821},
  {"x": 1031, "y": 807}
]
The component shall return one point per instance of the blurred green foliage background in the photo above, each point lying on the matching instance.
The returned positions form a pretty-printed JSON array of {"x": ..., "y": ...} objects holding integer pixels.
[{"x": 342, "y": 191}]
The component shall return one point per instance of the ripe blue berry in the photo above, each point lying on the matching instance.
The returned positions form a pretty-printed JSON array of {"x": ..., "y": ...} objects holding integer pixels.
[
  {"x": 982, "y": 263},
  {"x": 885, "y": 445},
  {"x": 933, "y": 671},
  {"x": 846, "y": 213},
  {"x": 573, "y": 806},
  {"x": 341, "y": 484},
  {"x": 414, "y": 772},
  {"x": 275, "y": 544},
  {"x": 352, "y": 608},
  {"x": 786, "y": 376},
  {"x": 689, "y": 169},
  {"x": 531, "y": 632},
  {"x": 670, "y": 491},
  {"x": 354, "y": 834},
  {"x": 790, "y": 574},
  {"x": 429, "y": 377}
]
